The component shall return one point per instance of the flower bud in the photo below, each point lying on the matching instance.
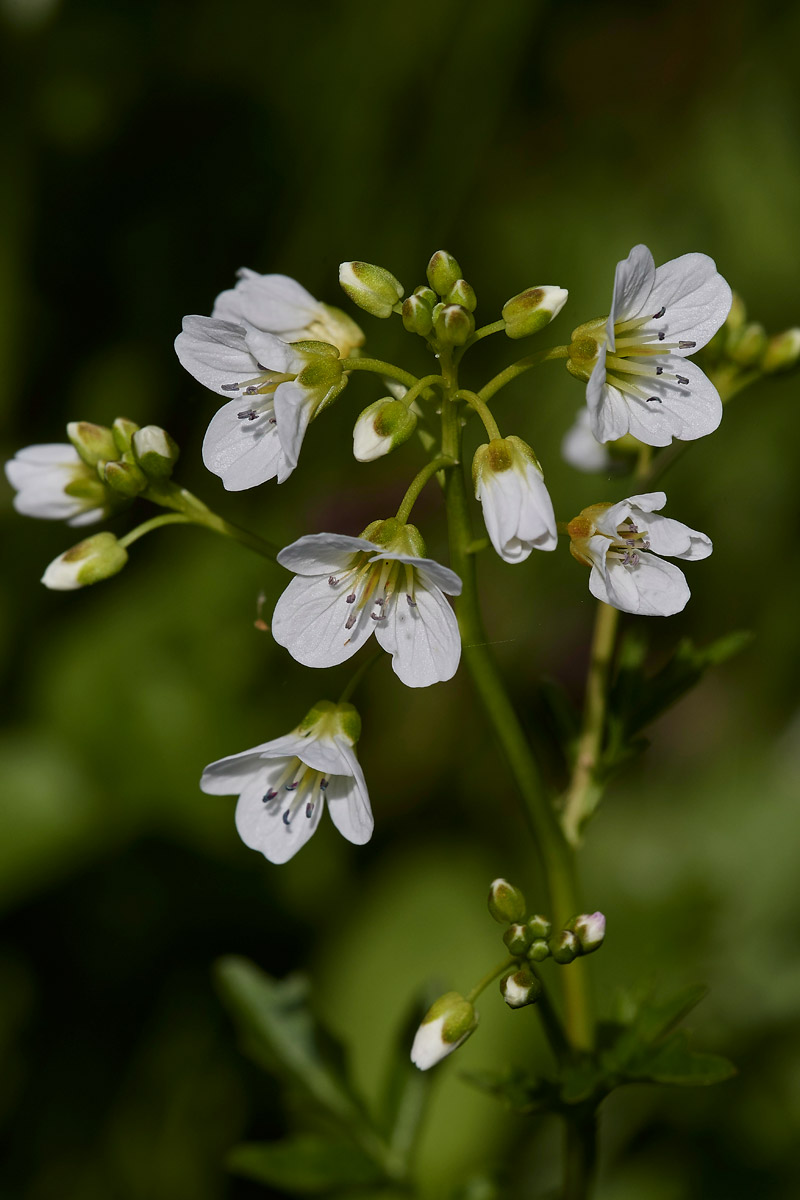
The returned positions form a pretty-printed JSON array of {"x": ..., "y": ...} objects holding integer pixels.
[
  {"x": 155, "y": 451},
  {"x": 531, "y": 310},
  {"x": 464, "y": 294},
  {"x": 427, "y": 294},
  {"x": 540, "y": 927},
  {"x": 517, "y": 938},
  {"x": 417, "y": 315},
  {"x": 447, "y": 1024},
  {"x": 94, "y": 443},
  {"x": 123, "y": 431},
  {"x": 372, "y": 288},
  {"x": 564, "y": 946},
  {"x": 443, "y": 272},
  {"x": 380, "y": 427},
  {"x": 453, "y": 324},
  {"x": 520, "y": 988},
  {"x": 590, "y": 930},
  {"x": 538, "y": 950},
  {"x": 747, "y": 346},
  {"x": 125, "y": 478},
  {"x": 506, "y": 902},
  {"x": 91, "y": 560},
  {"x": 782, "y": 352}
]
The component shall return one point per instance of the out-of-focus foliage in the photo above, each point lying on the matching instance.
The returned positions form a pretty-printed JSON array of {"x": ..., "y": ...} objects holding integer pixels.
[{"x": 151, "y": 149}]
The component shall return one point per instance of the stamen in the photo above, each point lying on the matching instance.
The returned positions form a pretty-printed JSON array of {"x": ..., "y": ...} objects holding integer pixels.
[
  {"x": 659, "y": 370},
  {"x": 411, "y": 601},
  {"x": 682, "y": 380},
  {"x": 686, "y": 345},
  {"x": 657, "y": 316},
  {"x": 309, "y": 809},
  {"x": 350, "y": 599},
  {"x": 230, "y": 387},
  {"x": 351, "y": 620},
  {"x": 291, "y": 787},
  {"x": 249, "y": 414},
  {"x": 287, "y": 816},
  {"x": 270, "y": 795},
  {"x": 333, "y": 581},
  {"x": 323, "y": 783}
]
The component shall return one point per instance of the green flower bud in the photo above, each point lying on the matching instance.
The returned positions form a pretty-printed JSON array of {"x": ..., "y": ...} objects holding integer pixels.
[
  {"x": 125, "y": 478},
  {"x": 782, "y": 352},
  {"x": 447, "y": 1024},
  {"x": 747, "y": 347},
  {"x": 380, "y": 427},
  {"x": 396, "y": 537},
  {"x": 372, "y": 288},
  {"x": 155, "y": 451},
  {"x": 94, "y": 443},
  {"x": 123, "y": 431},
  {"x": 520, "y": 987},
  {"x": 464, "y": 294},
  {"x": 517, "y": 938},
  {"x": 93, "y": 559},
  {"x": 453, "y": 324},
  {"x": 538, "y": 950},
  {"x": 443, "y": 272},
  {"x": 540, "y": 927},
  {"x": 417, "y": 315},
  {"x": 427, "y": 294},
  {"x": 531, "y": 310},
  {"x": 327, "y": 719},
  {"x": 506, "y": 902},
  {"x": 590, "y": 930},
  {"x": 564, "y": 946}
]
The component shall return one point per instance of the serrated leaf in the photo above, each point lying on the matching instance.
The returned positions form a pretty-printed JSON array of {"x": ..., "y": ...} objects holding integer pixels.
[{"x": 305, "y": 1165}]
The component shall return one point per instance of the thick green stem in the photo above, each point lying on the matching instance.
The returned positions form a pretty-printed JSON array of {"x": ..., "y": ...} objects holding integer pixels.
[
  {"x": 580, "y": 1153},
  {"x": 518, "y": 368},
  {"x": 193, "y": 511},
  {"x": 418, "y": 483},
  {"x": 551, "y": 1022},
  {"x": 379, "y": 367}
]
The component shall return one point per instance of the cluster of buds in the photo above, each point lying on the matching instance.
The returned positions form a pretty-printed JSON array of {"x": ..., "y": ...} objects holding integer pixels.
[
  {"x": 532, "y": 938},
  {"x": 746, "y": 345}
]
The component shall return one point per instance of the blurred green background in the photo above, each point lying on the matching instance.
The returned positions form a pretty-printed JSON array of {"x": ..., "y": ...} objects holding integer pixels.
[{"x": 150, "y": 149}]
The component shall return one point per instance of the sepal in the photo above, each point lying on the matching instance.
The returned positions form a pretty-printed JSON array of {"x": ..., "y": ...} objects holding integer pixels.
[
  {"x": 372, "y": 288},
  {"x": 94, "y": 443},
  {"x": 381, "y": 426},
  {"x": 520, "y": 987},
  {"x": 506, "y": 902},
  {"x": 155, "y": 451},
  {"x": 92, "y": 560},
  {"x": 443, "y": 272},
  {"x": 532, "y": 310}
]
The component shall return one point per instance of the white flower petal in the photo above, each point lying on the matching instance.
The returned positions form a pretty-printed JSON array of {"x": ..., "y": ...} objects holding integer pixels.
[
  {"x": 581, "y": 449},
  {"x": 227, "y": 776},
  {"x": 433, "y": 573},
  {"x": 243, "y": 453},
  {"x": 87, "y": 517},
  {"x": 260, "y": 824},
  {"x": 608, "y": 520},
  {"x": 608, "y": 408},
  {"x": 273, "y": 354},
  {"x": 309, "y": 620},
  {"x": 422, "y": 639},
  {"x": 674, "y": 538},
  {"x": 696, "y": 297},
  {"x": 215, "y": 353},
  {"x": 322, "y": 553},
  {"x": 348, "y": 799},
  {"x": 652, "y": 589},
  {"x": 273, "y": 303},
  {"x": 682, "y": 411},
  {"x": 633, "y": 281},
  {"x": 294, "y": 408}
]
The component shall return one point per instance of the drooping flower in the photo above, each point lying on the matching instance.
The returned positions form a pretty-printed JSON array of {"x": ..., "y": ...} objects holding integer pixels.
[
  {"x": 346, "y": 588},
  {"x": 94, "y": 559},
  {"x": 53, "y": 482},
  {"x": 516, "y": 504},
  {"x": 639, "y": 379},
  {"x": 279, "y": 389},
  {"x": 447, "y": 1024},
  {"x": 615, "y": 540},
  {"x": 279, "y": 305},
  {"x": 283, "y": 785}
]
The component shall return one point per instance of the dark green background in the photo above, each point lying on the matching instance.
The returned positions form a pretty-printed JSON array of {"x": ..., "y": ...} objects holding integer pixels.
[{"x": 151, "y": 148}]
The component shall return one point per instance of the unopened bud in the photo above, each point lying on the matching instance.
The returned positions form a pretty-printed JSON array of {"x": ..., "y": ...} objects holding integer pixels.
[
  {"x": 520, "y": 988},
  {"x": 782, "y": 352},
  {"x": 590, "y": 930},
  {"x": 91, "y": 560},
  {"x": 453, "y": 324},
  {"x": 372, "y": 288},
  {"x": 747, "y": 347},
  {"x": 443, "y": 272},
  {"x": 517, "y": 938},
  {"x": 417, "y": 315},
  {"x": 564, "y": 946},
  {"x": 123, "y": 431},
  {"x": 155, "y": 451},
  {"x": 380, "y": 427},
  {"x": 464, "y": 294},
  {"x": 447, "y": 1024},
  {"x": 539, "y": 926},
  {"x": 531, "y": 310},
  {"x": 427, "y": 294},
  {"x": 538, "y": 950},
  {"x": 94, "y": 443},
  {"x": 506, "y": 902},
  {"x": 125, "y": 478}
]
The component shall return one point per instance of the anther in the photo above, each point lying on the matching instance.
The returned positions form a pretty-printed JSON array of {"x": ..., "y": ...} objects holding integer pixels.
[
  {"x": 333, "y": 581},
  {"x": 686, "y": 345},
  {"x": 351, "y": 620},
  {"x": 309, "y": 809},
  {"x": 411, "y": 601},
  {"x": 230, "y": 387},
  {"x": 661, "y": 335},
  {"x": 682, "y": 380},
  {"x": 378, "y": 616},
  {"x": 323, "y": 783},
  {"x": 350, "y": 599},
  {"x": 270, "y": 795},
  {"x": 653, "y": 400},
  {"x": 659, "y": 370},
  {"x": 657, "y": 316},
  {"x": 287, "y": 816},
  {"x": 290, "y": 787},
  {"x": 249, "y": 414},
  {"x": 252, "y": 390}
]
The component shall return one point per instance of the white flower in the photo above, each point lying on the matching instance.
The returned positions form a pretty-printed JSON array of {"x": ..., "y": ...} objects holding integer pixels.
[
  {"x": 590, "y": 930},
  {"x": 349, "y": 587},
  {"x": 447, "y": 1024},
  {"x": 639, "y": 380},
  {"x": 280, "y": 305},
  {"x": 516, "y": 504},
  {"x": 614, "y": 539},
  {"x": 283, "y": 784},
  {"x": 280, "y": 388},
  {"x": 581, "y": 449},
  {"x": 96, "y": 558},
  {"x": 52, "y": 481}
]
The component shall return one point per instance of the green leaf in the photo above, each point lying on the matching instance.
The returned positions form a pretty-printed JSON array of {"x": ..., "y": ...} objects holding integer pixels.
[
  {"x": 281, "y": 1034},
  {"x": 674, "y": 1062},
  {"x": 306, "y": 1165},
  {"x": 521, "y": 1090}
]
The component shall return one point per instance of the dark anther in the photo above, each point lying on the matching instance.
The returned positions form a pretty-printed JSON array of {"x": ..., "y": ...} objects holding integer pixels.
[
  {"x": 653, "y": 400},
  {"x": 287, "y": 816},
  {"x": 350, "y": 599},
  {"x": 661, "y": 336},
  {"x": 687, "y": 345},
  {"x": 657, "y": 316},
  {"x": 230, "y": 387},
  {"x": 270, "y": 795},
  {"x": 309, "y": 809},
  {"x": 682, "y": 380},
  {"x": 411, "y": 601},
  {"x": 659, "y": 370},
  {"x": 323, "y": 783}
]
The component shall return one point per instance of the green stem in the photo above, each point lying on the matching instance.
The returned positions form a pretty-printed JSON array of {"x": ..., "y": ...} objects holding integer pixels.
[
  {"x": 474, "y": 401},
  {"x": 554, "y": 853},
  {"x": 518, "y": 368},
  {"x": 171, "y": 495},
  {"x": 551, "y": 1022},
  {"x": 418, "y": 483},
  {"x": 580, "y": 1151},
  {"x": 583, "y": 793},
  {"x": 153, "y": 523},
  {"x": 358, "y": 674},
  {"x": 381, "y": 368},
  {"x": 478, "y": 335},
  {"x": 483, "y": 983},
  {"x": 420, "y": 386}
]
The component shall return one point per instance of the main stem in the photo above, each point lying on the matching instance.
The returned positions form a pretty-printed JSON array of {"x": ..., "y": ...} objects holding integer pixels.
[{"x": 555, "y": 855}]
